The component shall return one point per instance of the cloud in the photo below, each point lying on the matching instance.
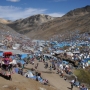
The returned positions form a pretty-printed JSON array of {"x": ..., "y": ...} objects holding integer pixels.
[
  {"x": 56, "y": 14},
  {"x": 13, "y": 0},
  {"x": 13, "y": 13}
]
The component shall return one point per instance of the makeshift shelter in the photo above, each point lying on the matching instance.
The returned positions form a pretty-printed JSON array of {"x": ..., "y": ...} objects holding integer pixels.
[
  {"x": 16, "y": 46},
  {"x": 1, "y": 53},
  {"x": 58, "y": 52},
  {"x": 21, "y": 61},
  {"x": 65, "y": 62},
  {"x": 23, "y": 56},
  {"x": 69, "y": 53},
  {"x": 86, "y": 60},
  {"x": 76, "y": 52},
  {"x": 50, "y": 56},
  {"x": 39, "y": 78},
  {"x": 13, "y": 62},
  {"x": 29, "y": 74}
]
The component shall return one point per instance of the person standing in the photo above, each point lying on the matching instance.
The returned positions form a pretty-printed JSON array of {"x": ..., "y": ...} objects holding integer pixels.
[
  {"x": 50, "y": 68},
  {"x": 71, "y": 86}
]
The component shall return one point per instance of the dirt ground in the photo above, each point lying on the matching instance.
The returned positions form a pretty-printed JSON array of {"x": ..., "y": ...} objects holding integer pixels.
[
  {"x": 54, "y": 79},
  {"x": 22, "y": 83}
]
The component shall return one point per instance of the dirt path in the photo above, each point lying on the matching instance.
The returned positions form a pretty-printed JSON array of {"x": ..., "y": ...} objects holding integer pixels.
[{"x": 54, "y": 79}]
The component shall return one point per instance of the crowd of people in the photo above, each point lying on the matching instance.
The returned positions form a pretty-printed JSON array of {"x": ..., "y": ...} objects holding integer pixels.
[{"x": 57, "y": 65}]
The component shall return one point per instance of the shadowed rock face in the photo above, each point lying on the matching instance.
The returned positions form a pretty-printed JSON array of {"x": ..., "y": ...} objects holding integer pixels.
[{"x": 44, "y": 27}]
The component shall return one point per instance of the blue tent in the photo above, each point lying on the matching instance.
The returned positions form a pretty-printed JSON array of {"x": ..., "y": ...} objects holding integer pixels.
[
  {"x": 34, "y": 77},
  {"x": 1, "y": 53},
  {"x": 65, "y": 62},
  {"x": 39, "y": 78},
  {"x": 23, "y": 56},
  {"x": 21, "y": 61},
  {"x": 86, "y": 59}
]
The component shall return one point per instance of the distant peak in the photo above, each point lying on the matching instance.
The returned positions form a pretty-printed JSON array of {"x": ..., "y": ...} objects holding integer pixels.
[
  {"x": 79, "y": 11},
  {"x": 87, "y": 6}
]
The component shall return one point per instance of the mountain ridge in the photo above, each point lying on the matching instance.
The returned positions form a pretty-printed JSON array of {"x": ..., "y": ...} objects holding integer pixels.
[
  {"x": 44, "y": 26},
  {"x": 79, "y": 11}
]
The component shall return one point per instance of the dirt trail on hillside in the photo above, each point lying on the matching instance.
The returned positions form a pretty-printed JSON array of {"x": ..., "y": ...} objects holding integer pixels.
[
  {"x": 54, "y": 79},
  {"x": 22, "y": 83}
]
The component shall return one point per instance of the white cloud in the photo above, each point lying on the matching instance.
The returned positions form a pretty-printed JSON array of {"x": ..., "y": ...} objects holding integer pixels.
[
  {"x": 56, "y": 14},
  {"x": 13, "y": 0},
  {"x": 13, "y": 13}
]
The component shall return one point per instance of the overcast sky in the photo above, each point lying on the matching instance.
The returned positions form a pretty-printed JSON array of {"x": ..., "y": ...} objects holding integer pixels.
[{"x": 16, "y": 9}]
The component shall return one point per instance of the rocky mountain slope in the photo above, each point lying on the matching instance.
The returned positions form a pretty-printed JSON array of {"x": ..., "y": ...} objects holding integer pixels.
[
  {"x": 79, "y": 11},
  {"x": 6, "y": 30},
  {"x": 31, "y": 23},
  {"x": 44, "y": 27}
]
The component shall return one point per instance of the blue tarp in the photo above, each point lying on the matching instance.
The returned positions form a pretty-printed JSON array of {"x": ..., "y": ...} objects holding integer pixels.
[
  {"x": 86, "y": 60},
  {"x": 23, "y": 56},
  {"x": 39, "y": 79},
  {"x": 13, "y": 57},
  {"x": 21, "y": 61},
  {"x": 1, "y": 53},
  {"x": 65, "y": 62}
]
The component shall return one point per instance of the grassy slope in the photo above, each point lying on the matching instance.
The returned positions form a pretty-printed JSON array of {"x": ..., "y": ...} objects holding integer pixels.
[{"x": 83, "y": 75}]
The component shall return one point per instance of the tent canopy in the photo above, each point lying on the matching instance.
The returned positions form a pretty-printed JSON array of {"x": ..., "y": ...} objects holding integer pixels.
[
  {"x": 23, "y": 56},
  {"x": 21, "y": 61},
  {"x": 29, "y": 73},
  {"x": 1, "y": 53}
]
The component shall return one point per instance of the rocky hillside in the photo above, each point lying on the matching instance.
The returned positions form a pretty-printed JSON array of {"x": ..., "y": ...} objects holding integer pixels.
[
  {"x": 31, "y": 23},
  {"x": 6, "y": 30},
  {"x": 44, "y": 27},
  {"x": 79, "y": 11}
]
